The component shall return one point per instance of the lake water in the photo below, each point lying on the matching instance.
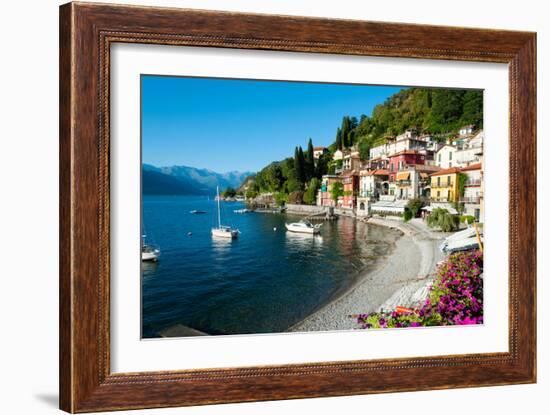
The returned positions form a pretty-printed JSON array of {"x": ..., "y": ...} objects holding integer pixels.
[{"x": 263, "y": 282}]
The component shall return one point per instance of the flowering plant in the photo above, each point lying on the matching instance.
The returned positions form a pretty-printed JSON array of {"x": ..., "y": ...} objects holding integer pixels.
[{"x": 455, "y": 298}]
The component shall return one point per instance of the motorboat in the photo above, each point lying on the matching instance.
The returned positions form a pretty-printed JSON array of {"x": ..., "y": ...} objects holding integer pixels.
[
  {"x": 197, "y": 212},
  {"x": 303, "y": 226}
]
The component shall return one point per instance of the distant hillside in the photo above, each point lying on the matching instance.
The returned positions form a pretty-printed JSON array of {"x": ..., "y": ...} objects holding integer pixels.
[{"x": 185, "y": 180}]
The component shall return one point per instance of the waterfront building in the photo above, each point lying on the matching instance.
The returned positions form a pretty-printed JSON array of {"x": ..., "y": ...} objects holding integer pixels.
[
  {"x": 414, "y": 181},
  {"x": 473, "y": 196},
  {"x": 444, "y": 187},
  {"x": 350, "y": 180},
  {"x": 401, "y": 161},
  {"x": 444, "y": 157},
  {"x": 324, "y": 195},
  {"x": 373, "y": 183}
]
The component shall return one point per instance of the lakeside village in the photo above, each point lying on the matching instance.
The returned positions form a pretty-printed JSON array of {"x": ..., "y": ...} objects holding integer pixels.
[{"x": 437, "y": 179}]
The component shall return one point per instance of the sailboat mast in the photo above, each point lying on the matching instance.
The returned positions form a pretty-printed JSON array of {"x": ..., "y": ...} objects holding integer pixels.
[{"x": 219, "y": 217}]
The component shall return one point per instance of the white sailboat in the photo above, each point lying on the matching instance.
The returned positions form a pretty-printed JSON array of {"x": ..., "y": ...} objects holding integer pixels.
[
  {"x": 149, "y": 252},
  {"x": 223, "y": 231}
]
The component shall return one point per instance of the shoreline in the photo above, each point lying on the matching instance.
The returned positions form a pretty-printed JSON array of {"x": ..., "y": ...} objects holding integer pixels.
[{"x": 401, "y": 278}]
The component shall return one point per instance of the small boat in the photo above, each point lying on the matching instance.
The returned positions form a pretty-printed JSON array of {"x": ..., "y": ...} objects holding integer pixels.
[
  {"x": 460, "y": 241},
  {"x": 223, "y": 231},
  {"x": 242, "y": 210},
  {"x": 303, "y": 226},
  {"x": 149, "y": 252},
  {"x": 197, "y": 212}
]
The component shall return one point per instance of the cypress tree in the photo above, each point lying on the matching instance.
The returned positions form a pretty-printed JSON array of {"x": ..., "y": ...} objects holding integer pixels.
[
  {"x": 310, "y": 160},
  {"x": 338, "y": 139},
  {"x": 299, "y": 164}
]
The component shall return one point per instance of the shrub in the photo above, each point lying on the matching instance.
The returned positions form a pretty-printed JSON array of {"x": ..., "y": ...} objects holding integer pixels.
[
  {"x": 455, "y": 298},
  {"x": 442, "y": 219},
  {"x": 414, "y": 205},
  {"x": 469, "y": 219},
  {"x": 408, "y": 215}
]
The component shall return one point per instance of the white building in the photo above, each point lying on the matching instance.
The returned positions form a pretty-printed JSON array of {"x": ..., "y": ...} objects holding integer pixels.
[
  {"x": 318, "y": 152},
  {"x": 466, "y": 130},
  {"x": 473, "y": 191},
  {"x": 338, "y": 155},
  {"x": 471, "y": 151},
  {"x": 444, "y": 157}
]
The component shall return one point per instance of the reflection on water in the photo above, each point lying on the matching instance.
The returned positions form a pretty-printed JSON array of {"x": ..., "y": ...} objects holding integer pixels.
[
  {"x": 295, "y": 240},
  {"x": 264, "y": 281}
]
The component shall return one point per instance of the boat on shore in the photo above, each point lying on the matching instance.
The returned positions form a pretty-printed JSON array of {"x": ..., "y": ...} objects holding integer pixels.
[
  {"x": 223, "y": 231},
  {"x": 303, "y": 226},
  {"x": 461, "y": 241}
]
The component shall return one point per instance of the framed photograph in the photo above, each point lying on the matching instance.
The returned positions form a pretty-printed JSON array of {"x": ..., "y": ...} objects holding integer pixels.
[{"x": 260, "y": 207}]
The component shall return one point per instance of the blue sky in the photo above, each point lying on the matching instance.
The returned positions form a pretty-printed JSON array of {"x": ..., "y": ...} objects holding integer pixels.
[{"x": 225, "y": 124}]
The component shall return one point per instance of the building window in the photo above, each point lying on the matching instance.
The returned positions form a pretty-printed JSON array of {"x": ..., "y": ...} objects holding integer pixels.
[
  {"x": 439, "y": 158},
  {"x": 438, "y": 194},
  {"x": 438, "y": 181},
  {"x": 448, "y": 180},
  {"x": 362, "y": 206},
  {"x": 450, "y": 155}
]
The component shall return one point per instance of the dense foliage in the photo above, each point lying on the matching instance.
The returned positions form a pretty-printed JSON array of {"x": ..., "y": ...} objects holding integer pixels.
[
  {"x": 442, "y": 219},
  {"x": 455, "y": 298}
]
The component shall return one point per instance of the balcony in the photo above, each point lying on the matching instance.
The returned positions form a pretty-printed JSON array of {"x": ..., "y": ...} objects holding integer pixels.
[
  {"x": 471, "y": 200},
  {"x": 404, "y": 183},
  {"x": 442, "y": 185},
  {"x": 476, "y": 182}
]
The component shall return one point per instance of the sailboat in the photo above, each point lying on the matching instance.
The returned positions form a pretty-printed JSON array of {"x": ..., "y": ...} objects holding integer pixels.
[
  {"x": 149, "y": 252},
  {"x": 223, "y": 231}
]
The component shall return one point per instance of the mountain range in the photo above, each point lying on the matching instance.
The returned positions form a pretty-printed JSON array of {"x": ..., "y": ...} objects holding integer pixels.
[{"x": 185, "y": 180}]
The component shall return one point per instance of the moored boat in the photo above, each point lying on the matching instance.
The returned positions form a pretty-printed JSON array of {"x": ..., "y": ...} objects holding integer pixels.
[
  {"x": 196, "y": 212},
  {"x": 222, "y": 231},
  {"x": 303, "y": 226}
]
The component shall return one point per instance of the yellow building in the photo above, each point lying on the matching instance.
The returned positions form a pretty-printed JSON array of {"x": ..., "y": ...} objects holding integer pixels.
[{"x": 444, "y": 185}]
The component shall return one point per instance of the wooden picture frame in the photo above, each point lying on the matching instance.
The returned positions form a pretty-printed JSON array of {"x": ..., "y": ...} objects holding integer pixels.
[{"x": 86, "y": 33}]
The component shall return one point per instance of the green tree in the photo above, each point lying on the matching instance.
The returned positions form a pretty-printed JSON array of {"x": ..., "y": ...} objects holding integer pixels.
[
  {"x": 299, "y": 165},
  {"x": 229, "y": 192},
  {"x": 336, "y": 191},
  {"x": 339, "y": 144},
  {"x": 442, "y": 219},
  {"x": 414, "y": 206},
  {"x": 310, "y": 195},
  {"x": 309, "y": 161}
]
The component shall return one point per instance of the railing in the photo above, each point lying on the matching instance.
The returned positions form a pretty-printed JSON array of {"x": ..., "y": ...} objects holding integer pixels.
[
  {"x": 403, "y": 182},
  {"x": 474, "y": 200},
  {"x": 442, "y": 185},
  {"x": 475, "y": 182},
  {"x": 439, "y": 199}
]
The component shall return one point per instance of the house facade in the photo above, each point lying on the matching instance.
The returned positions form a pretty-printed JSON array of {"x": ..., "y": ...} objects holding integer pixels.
[
  {"x": 473, "y": 195},
  {"x": 324, "y": 195},
  {"x": 445, "y": 157},
  {"x": 351, "y": 189},
  {"x": 444, "y": 186},
  {"x": 471, "y": 151}
]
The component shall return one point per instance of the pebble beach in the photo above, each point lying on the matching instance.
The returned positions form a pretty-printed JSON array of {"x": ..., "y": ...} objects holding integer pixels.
[{"x": 401, "y": 278}]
